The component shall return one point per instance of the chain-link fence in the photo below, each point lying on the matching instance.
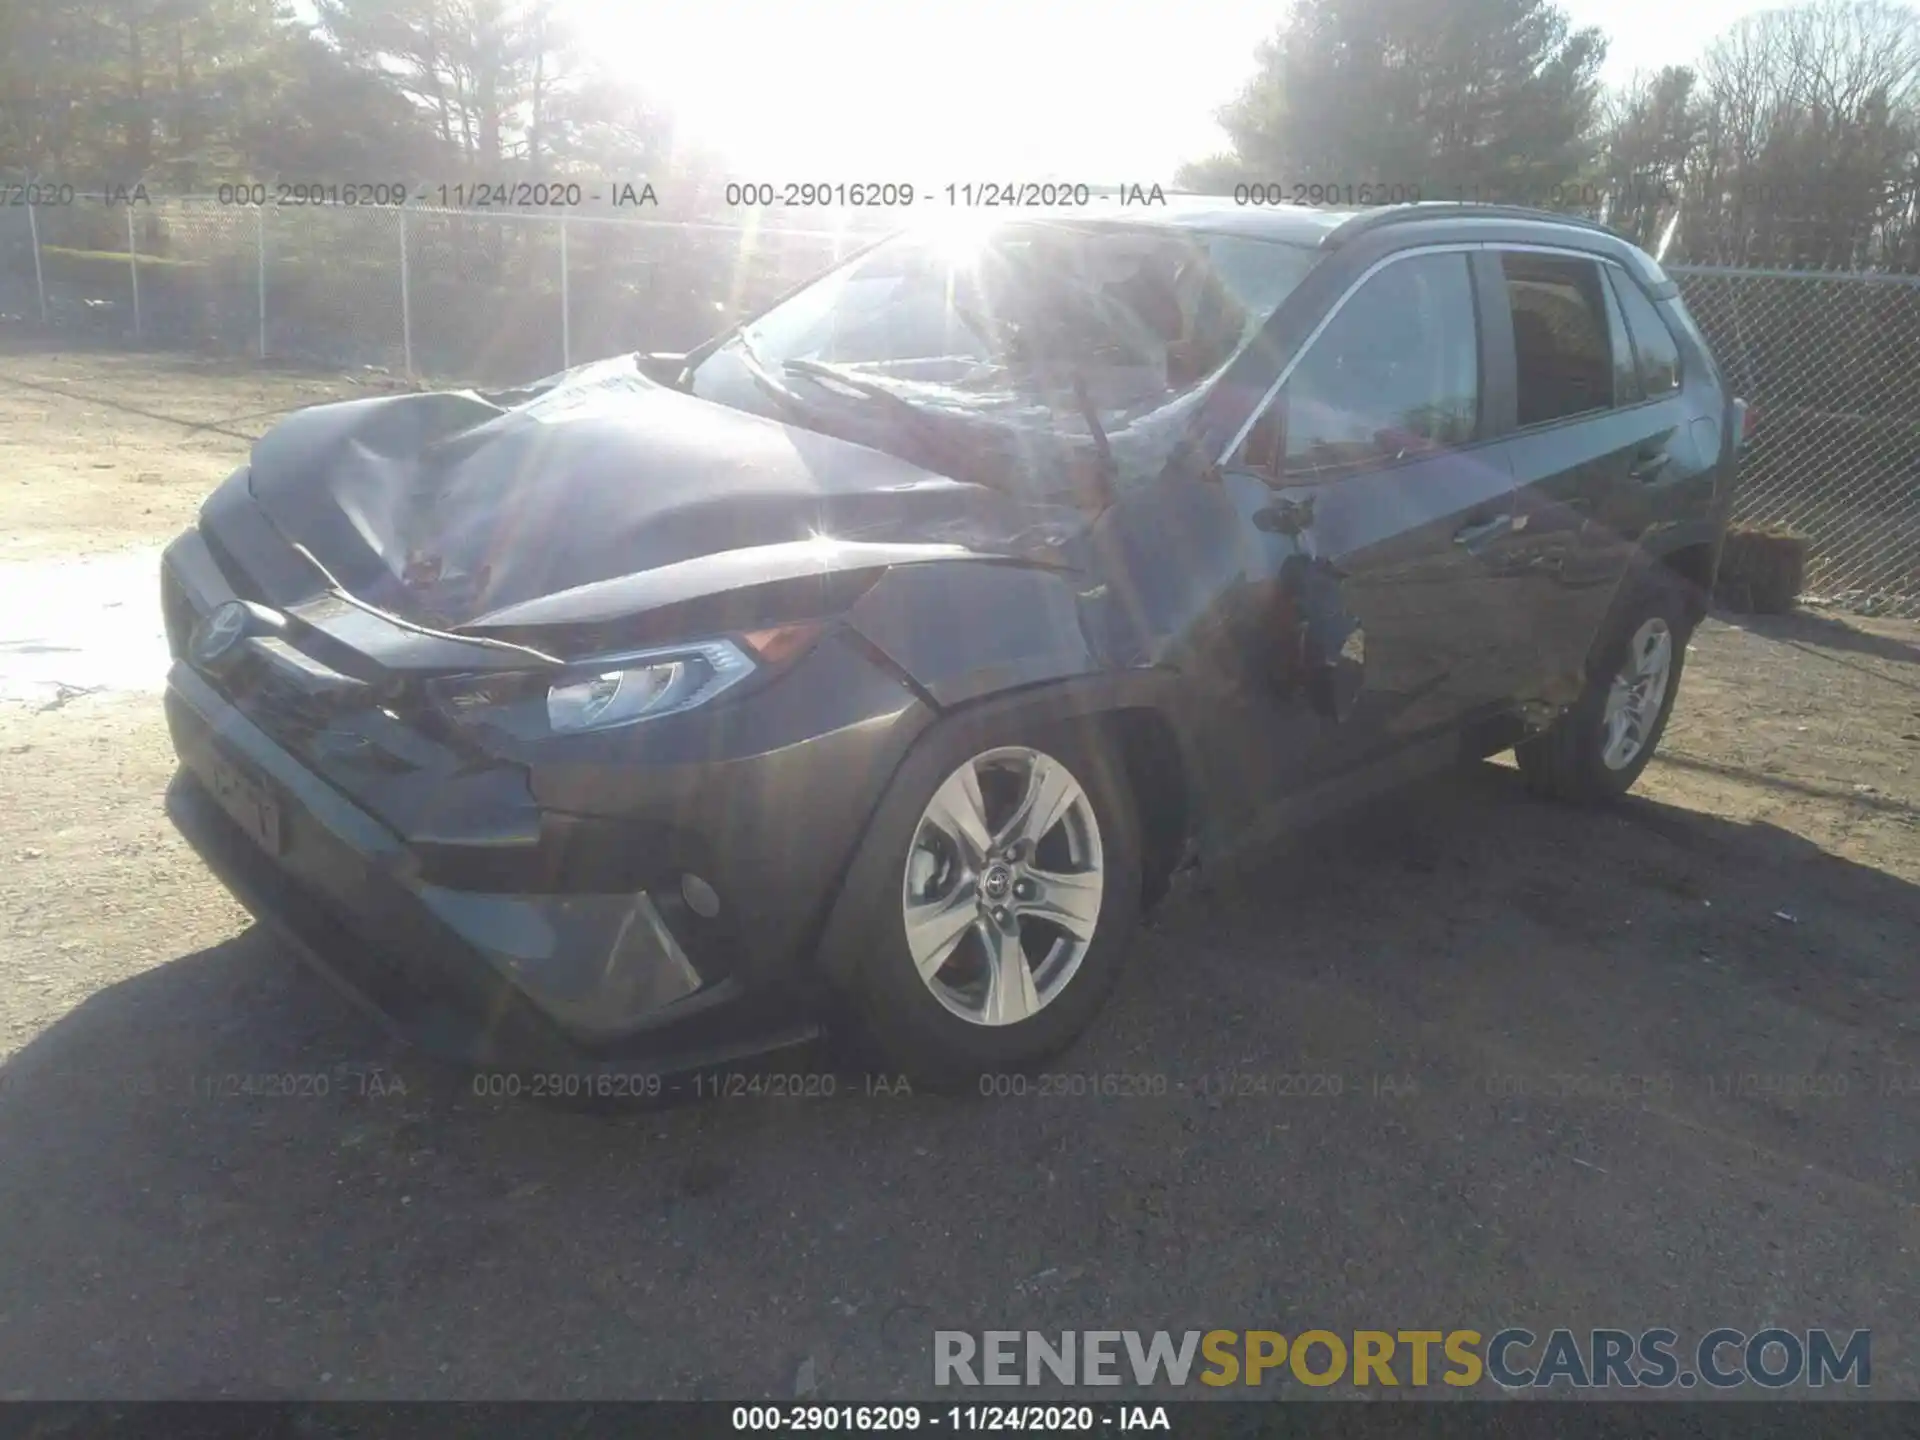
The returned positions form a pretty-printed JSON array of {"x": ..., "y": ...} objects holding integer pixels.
[
  {"x": 19, "y": 259},
  {"x": 1830, "y": 361},
  {"x": 461, "y": 295}
]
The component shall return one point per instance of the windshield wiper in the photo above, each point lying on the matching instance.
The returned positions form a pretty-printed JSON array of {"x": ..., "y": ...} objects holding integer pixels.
[
  {"x": 823, "y": 373},
  {"x": 1103, "y": 451},
  {"x": 783, "y": 397},
  {"x": 827, "y": 374},
  {"x": 819, "y": 371}
]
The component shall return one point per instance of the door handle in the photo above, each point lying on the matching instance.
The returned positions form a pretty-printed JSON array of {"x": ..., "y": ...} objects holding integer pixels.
[
  {"x": 1648, "y": 465},
  {"x": 1488, "y": 529}
]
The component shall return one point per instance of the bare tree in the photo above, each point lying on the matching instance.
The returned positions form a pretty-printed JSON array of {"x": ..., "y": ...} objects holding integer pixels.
[
  {"x": 1809, "y": 120},
  {"x": 1651, "y": 132}
]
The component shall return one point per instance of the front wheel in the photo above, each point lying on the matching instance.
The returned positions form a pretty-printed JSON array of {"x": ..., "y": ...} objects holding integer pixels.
[
  {"x": 1598, "y": 748},
  {"x": 1001, "y": 881}
]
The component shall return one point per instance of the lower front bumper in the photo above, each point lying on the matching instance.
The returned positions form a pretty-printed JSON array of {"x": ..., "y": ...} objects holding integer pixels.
[{"x": 576, "y": 983}]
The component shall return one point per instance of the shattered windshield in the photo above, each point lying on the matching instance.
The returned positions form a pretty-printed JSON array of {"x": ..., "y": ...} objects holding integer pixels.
[{"x": 1093, "y": 333}]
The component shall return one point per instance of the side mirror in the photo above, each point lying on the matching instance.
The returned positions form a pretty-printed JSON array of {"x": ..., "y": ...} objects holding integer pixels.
[
  {"x": 1334, "y": 682},
  {"x": 1285, "y": 516}
]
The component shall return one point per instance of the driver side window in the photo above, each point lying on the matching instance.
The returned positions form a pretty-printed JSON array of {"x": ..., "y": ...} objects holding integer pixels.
[{"x": 1396, "y": 374}]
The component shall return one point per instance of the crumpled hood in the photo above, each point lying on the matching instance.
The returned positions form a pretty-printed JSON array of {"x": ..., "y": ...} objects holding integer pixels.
[{"x": 449, "y": 508}]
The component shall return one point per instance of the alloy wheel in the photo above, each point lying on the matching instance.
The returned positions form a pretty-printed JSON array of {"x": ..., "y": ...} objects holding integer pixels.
[
  {"x": 1003, "y": 885},
  {"x": 1636, "y": 695}
]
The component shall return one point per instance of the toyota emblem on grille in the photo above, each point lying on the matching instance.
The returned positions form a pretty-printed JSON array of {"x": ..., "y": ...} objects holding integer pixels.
[{"x": 216, "y": 635}]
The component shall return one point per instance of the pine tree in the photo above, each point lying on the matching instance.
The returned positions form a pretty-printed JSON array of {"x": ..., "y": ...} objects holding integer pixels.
[{"x": 1461, "y": 99}]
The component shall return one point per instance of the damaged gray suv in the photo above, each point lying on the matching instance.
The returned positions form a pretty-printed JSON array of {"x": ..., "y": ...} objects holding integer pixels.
[{"x": 876, "y": 663}]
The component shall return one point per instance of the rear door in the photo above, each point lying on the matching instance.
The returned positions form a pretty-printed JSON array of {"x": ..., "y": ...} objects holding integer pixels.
[{"x": 1589, "y": 447}]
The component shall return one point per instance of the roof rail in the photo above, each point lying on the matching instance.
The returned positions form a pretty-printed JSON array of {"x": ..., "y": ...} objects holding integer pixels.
[{"x": 1369, "y": 220}]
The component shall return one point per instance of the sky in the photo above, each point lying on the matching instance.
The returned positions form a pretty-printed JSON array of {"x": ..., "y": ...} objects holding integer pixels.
[{"x": 939, "y": 92}]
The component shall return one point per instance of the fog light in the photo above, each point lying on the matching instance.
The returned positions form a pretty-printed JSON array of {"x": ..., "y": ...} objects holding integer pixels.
[{"x": 701, "y": 897}]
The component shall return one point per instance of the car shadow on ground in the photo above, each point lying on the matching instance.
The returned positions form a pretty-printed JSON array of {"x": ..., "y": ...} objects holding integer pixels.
[
  {"x": 1807, "y": 628},
  {"x": 1461, "y": 1055}
]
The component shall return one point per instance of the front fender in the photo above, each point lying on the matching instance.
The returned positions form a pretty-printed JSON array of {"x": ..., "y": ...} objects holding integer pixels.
[{"x": 967, "y": 629}]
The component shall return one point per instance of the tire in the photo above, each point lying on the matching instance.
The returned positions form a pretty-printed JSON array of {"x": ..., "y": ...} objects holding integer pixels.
[
  {"x": 1571, "y": 760},
  {"x": 948, "y": 1033}
]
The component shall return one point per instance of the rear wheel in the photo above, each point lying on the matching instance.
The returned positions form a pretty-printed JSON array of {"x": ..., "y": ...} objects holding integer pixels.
[
  {"x": 1599, "y": 747},
  {"x": 1001, "y": 885}
]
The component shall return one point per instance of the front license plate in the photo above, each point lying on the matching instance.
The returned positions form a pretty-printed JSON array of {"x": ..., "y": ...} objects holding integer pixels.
[{"x": 250, "y": 803}]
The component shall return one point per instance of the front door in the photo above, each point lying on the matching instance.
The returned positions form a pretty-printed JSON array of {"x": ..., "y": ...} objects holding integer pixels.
[{"x": 1389, "y": 517}]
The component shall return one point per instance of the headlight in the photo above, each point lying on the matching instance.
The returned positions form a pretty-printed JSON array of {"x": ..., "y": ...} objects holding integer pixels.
[
  {"x": 647, "y": 686},
  {"x": 599, "y": 694}
]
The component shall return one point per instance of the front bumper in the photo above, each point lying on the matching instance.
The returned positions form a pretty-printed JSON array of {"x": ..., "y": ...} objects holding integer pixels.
[
  {"x": 523, "y": 981},
  {"x": 533, "y": 915}
]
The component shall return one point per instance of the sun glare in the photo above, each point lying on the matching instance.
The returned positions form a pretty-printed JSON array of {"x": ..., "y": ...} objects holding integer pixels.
[{"x": 958, "y": 235}]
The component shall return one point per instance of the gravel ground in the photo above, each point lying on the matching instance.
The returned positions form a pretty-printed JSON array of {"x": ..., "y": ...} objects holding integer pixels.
[{"x": 1496, "y": 1063}]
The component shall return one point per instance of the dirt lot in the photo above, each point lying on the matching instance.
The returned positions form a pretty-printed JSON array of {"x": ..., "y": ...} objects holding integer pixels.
[
  {"x": 1655, "y": 1065},
  {"x": 103, "y": 450}
]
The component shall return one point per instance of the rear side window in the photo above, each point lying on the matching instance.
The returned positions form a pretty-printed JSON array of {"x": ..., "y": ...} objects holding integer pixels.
[
  {"x": 1627, "y": 389},
  {"x": 1563, "y": 362},
  {"x": 1658, "y": 357}
]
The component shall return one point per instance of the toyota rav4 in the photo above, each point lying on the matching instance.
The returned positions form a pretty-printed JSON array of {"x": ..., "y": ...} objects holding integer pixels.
[{"x": 879, "y": 660}]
